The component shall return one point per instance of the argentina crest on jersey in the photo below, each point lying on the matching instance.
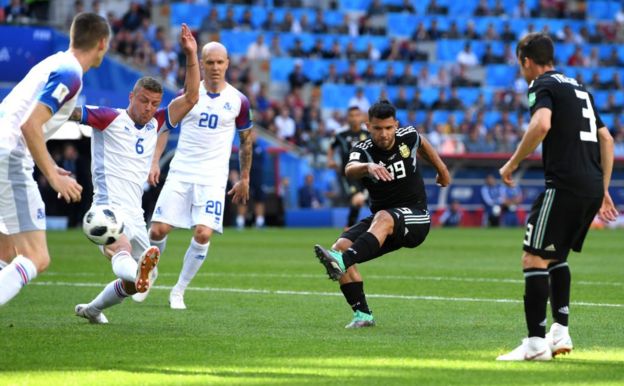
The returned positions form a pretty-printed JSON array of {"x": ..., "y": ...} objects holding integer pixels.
[{"x": 404, "y": 150}]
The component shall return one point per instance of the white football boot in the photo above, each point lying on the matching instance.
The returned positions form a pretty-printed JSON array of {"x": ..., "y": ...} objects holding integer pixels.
[
  {"x": 140, "y": 297},
  {"x": 531, "y": 349},
  {"x": 559, "y": 339},
  {"x": 84, "y": 311},
  {"x": 176, "y": 300}
]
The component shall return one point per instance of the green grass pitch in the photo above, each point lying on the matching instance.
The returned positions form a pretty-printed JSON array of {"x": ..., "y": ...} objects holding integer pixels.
[{"x": 262, "y": 311}]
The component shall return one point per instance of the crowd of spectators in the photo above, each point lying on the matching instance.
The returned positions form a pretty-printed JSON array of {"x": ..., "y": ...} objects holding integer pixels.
[{"x": 298, "y": 117}]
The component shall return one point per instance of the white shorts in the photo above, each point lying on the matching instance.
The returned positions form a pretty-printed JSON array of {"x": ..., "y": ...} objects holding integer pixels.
[
  {"x": 185, "y": 205},
  {"x": 135, "y": 230},
  {"x": 21, "y": 206}
]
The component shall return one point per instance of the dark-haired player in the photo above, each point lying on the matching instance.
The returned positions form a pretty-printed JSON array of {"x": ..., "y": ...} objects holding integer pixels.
[
  {"x": 343, "y": 142},
  {"x": 32, "y": 112},
  {"x": 387, "y": 165},
  {"x": 577, "y": 153}
]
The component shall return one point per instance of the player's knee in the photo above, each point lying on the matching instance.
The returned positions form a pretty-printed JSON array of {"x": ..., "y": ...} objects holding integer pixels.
[
  {"x": 158, "y": 231},
  {"x": 342, "y": 244},
  {"x": 202, "y": 236},
  {"x": 530, "y": 260},
  {"x": 383, "y": 220}
]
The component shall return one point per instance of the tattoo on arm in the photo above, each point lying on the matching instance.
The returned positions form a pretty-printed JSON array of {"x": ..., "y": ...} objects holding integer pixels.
[
  {"x": 76, "y": 115},
  {"x": 245, "y": 152}
]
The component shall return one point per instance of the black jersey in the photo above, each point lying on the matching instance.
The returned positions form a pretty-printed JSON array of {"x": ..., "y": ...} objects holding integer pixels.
[
  {"x": 345, "y": 140},
  {"x": 407, "y": 189},
  {"x": 570, "y": 151}
]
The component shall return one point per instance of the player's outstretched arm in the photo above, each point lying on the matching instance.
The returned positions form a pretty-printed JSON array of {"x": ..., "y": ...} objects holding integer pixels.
[
  {"x": 359, "y": 170},
  {"x": 443, "y": 178},
  {"x": 535, "y": 134},
  {"x": 32, "y": 131},
  {"x": 161, "y": 143},
  {"x": 240, "y": 190},
  {"x": 180, "y": 106},
  {"x": 607, "y": 211}
]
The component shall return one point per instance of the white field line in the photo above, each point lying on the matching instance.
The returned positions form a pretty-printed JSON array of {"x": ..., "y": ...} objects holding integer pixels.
[
  {"x": 373, "y": 277},
  {"x": 318, "y": 293}
]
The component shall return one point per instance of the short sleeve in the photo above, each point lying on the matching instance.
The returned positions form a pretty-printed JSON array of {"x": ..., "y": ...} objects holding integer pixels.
[
  {"x": 245, "y": 116},
  {"x": 62, "y": 85},
  {"x": 98, "y": 117},
  {"x": 162, "y": 117},
  {"x": 540, "y": 95},
  {"x": 357, "y": 154}
]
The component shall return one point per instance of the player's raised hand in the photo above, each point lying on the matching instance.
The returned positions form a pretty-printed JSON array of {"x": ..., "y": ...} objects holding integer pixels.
[
  {"x": 506, "y": 172},
  {"x": 153, "y": 178},
  {"x": 379, "y": 172},
  {"x": 607, "y": 211},
  {"x": 187, "y": 40},
  {"x": 67, "y": 187},
  {"x": 240, "y": 192}
]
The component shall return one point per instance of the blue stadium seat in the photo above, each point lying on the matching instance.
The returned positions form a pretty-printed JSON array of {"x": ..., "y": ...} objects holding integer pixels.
[
  {"x": 191, "y": 14},
  {"x": 402, "y": 24},
  {"x": 336, "y": 96},
  {"x": 281, "y": 68},
  {"x": 238, "y": 41},
  {"x": 602, "y": 10},
  {"x": 447, "y": 50},
  {"x": 500, "y": 75},
  {"x": 491, "y": 117},
  {"x": 355, "y": 5}
]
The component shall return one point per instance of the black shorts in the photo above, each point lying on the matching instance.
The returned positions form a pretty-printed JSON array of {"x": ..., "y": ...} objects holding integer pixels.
[
  {"x": 559, "y": 221},
  {"x": 256, "y": 191},
  {"x": 411, "y": 227}
]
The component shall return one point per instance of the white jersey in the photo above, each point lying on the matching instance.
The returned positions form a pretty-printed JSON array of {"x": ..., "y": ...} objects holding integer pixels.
[
  {"x": 56, "y": 82},
  {"x": 206, "y": 134},
  {"x": 121, "y": 155}
]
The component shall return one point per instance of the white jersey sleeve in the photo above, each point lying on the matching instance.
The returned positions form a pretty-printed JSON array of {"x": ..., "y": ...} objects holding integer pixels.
[{"x": 55, "y": 82}]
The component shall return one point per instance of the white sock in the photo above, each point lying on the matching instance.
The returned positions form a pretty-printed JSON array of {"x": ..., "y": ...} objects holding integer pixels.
[
  {"x": 3, "y": 264},
  {"x": 124, "y": 266},
  {"x": 111, "y": 295},
  {"x": 260, "y": 221},
  {"x": 14, "y": 276},
  {"x": 193, "y": 260},
  {"x": 240, "y": 221},
  {"x": 161, "y": 244}
]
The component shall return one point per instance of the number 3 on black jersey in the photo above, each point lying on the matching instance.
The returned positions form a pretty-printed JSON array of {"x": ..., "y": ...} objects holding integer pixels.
[{"x": 588, "y": 112}]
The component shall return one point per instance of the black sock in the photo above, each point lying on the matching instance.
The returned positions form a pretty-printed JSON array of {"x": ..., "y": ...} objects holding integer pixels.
[
  {"x": 363, "y": 249},
  {"x": 535, "y": 299},
  {"x": 354, "y": 293},
  {"x": 560, "y": 279},
  {"x": 353, "y": 215}
]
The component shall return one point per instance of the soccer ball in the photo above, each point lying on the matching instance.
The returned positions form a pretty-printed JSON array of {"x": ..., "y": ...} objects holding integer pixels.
[{"x": 102, "y": 225}]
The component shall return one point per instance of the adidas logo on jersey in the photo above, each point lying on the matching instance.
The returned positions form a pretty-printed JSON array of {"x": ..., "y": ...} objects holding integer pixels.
[{"x": 550, "y": 248}]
